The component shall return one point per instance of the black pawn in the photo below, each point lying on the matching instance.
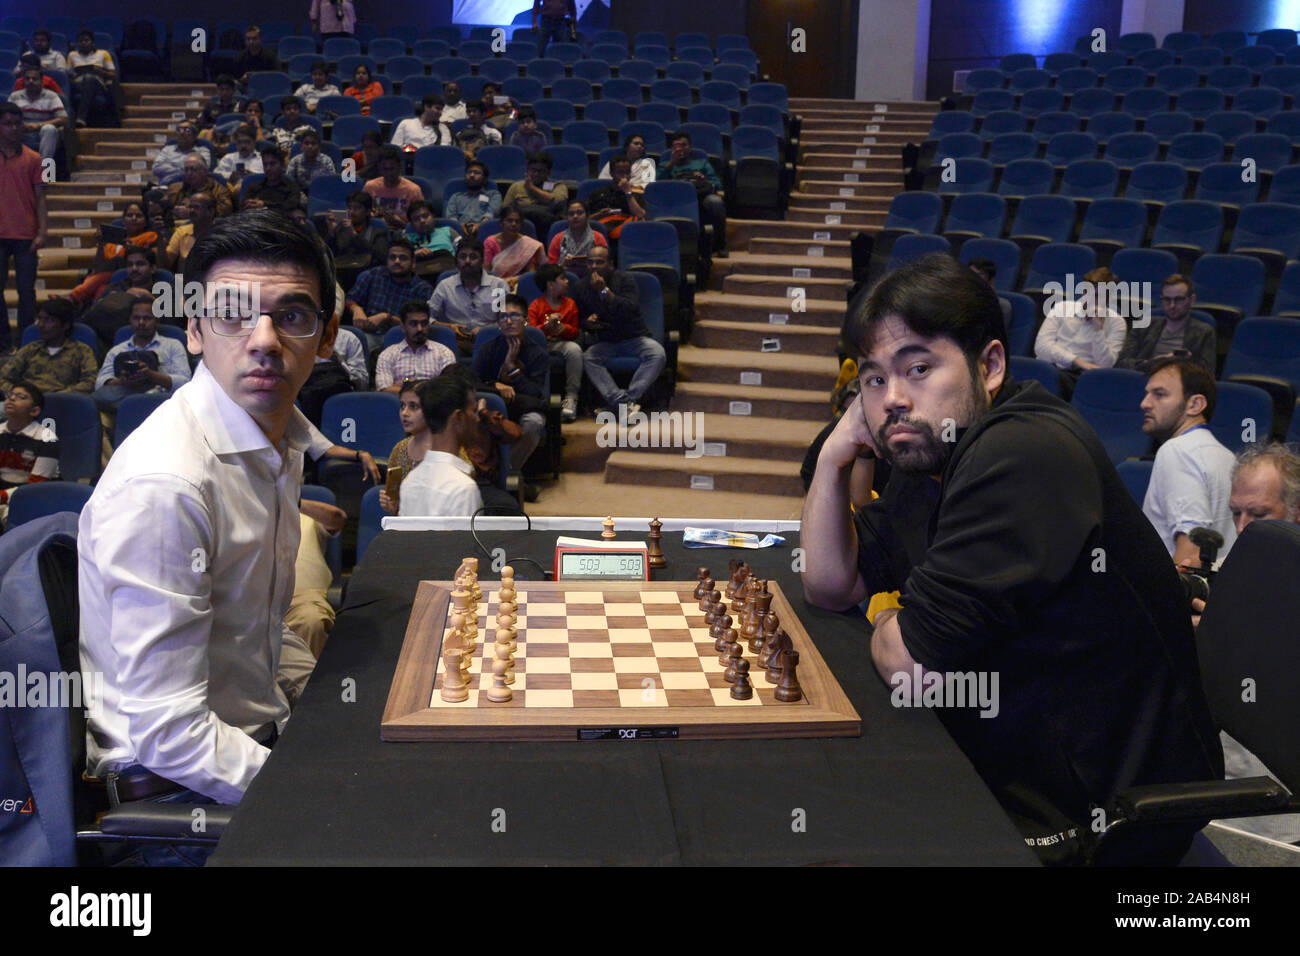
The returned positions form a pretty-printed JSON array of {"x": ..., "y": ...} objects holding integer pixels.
[
  {"x": 707, "y": 596},
  {"x": 742, "y": 689},
  {"x": 729, "y": 675},
  {"x": 719, "y": 632},
  {"x": 699, "y": 591}
]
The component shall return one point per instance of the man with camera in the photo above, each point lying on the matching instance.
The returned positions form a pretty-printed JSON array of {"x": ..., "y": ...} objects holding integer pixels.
[
  {"x": 1192, "y": 476},
  {"x": 146, "y": 362}
]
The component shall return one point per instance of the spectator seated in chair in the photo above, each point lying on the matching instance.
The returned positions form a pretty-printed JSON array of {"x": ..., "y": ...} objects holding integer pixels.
[
  {"x": 146, "y": 362},
  {"x": 310, "y": 163},
  {"x": 476, "y": 203},
  {"x": 94, "y": 75},
  {"x": 571, "y": 248},
  {"x": 541, "y": 200},
  {"x": 1081, "y": 334},
  {"x": 643, "y": 166},
  {"x": 528, "y": 137},
  {"x": 393, "y": 193},
  {"x": 415, "y": 357},
  {"x": 427, "y": 129},
  {"x": 197, "y": 179},
  {"x": 43, "y": 113},
  {"x": 469, "y": 300},
  {"x": 478, "y": 132},
  {"x": 111, "y": 255},
  {"x": 700, "y": 173},
  {"x": 276, "y": 191},
  {"x": 244, "y": 160},
  {"x": 435, "y": 246},
  {"x": 169, "y": 164},
  {"x": 1173, "y": 333},
  {"x": 617, "y": 203},
  {"x": 202, "y": 210},
  {"x": 453, "y": 107},
  {"x": 55, "y": 362},
  {"x": 440, "y": 416},
  {"x": 29, "y": 452},
  {"x": 376, "y": 299},
  {"x": 609, "y": 305},
  {"x": 364, "y": 89},
  {"x": 320, "y": 85},
  {"x": 226, "y": 101},
  {"x": 557, "y": 316},
  {"x": 517, "y": 367},
  {"x": 509, "y": 253}
]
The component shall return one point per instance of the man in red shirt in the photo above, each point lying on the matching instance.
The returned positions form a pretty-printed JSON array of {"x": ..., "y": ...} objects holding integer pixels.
[{"x": 22, "y": 219}]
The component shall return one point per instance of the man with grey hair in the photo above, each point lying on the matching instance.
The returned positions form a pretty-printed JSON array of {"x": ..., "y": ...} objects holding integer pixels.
[
  {"x": 1265, "y": 484},
  {"x": 197, "y": 178}
]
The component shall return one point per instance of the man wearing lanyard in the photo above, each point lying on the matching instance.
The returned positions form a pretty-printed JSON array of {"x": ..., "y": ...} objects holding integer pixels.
[{"x": 1191, "y": 480}]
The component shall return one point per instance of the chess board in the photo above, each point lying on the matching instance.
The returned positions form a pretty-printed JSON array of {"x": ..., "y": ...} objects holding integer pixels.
[{"x": 599, "y": 660}]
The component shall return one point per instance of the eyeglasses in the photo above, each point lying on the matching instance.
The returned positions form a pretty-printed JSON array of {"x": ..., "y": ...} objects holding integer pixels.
[
  {"x": 506, "y": 319},
  {"x": 293, "y": 323}
]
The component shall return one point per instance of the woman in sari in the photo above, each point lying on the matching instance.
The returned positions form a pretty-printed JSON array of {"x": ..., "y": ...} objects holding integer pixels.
[
  {"x": 572, "y": 247},
  {"x": 363, "y": 88},
  {"x": 509, "y": 253}
]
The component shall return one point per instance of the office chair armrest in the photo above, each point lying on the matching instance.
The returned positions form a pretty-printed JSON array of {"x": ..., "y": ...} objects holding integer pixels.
[
  {"x": 167, "y": 821},
  {"x": 1168, "y": 803}
]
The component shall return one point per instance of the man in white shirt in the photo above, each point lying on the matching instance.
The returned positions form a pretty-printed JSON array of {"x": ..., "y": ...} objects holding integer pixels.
[
  {"x": 93, "y": 75},
  {"x": 310, "y": 93},
  {"x": 415, "y": 357},
  {"x": 187, "y": 545},
  {"x": 427, "y": 129},
  {"x": 169, "y": 164},
  {"x": 43, "y": 113},
  {"x": 244, "y": 160},
  {"x": 1081, "y": 334},
  {"x": 1191, "y": 481},
  {"x": 50, "y": 59},
  {"x": 442, "y": 484},
  {"x": 136, "y": 375},
  {"x": 453, "y": 107}
]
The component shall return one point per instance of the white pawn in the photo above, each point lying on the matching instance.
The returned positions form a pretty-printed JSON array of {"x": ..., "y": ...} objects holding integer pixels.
[{"x": 500, "y": 691}]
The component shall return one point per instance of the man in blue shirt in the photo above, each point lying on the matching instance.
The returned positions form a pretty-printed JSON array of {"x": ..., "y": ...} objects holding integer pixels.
[
  {"x": 137, "y": 374},
  {"x": 376, "y": 299},
  {"x": 699, "y": 172},
  {"x": 475, "y": 203}
]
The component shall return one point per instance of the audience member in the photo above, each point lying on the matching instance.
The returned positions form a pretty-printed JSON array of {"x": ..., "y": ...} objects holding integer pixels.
[
  {"x": 516, "y": 367},
  {"x": 29, "y": 452},
  {"x": 682, "y": 164},
  {"x": 1191, "y": 480},
  {"x": 541, "y": 200},
  {"x": 416, "y": 356},
  {"x": 509, "y": 253},
  {"x": 1173, "y": 333},
  {"x": 366, "y": 160},
  {"x": 1081, "y": 334},
  {"x": 483, "y": 448},
  {"x": 111, "y": 255},
  {"x": 557, "y": 316},
  {"x": 275, "y": 191},
  {"x": 333, "y": 18},
  {"x": 364, "y": 89},
  {"x": 289, "y": 126},
  {"x": 50, "y": 59},
  {"x": 197, "y": 179},
  {"x": 558, "y": 21},
  {"x": 643, "y": 166},
  {"x": 392, "y": 191},
  {"x": 93, "y": 77},
  {"x": 22, "y": 220},
  {"x": 439, "y": 417},
  {"x": 427, "y": 129},
  {"x": 55, "y": 362},
  {"x": 608, "y": 301},
  {"x": 376, "y": 299},
  {"x": 112, "y": 308},
  {"x": 497, "y": 109},
  {"x": 310, "y": 163},
  {"x": 244, "y": 160},
  {"x": 169, "y": 164},
  {"x": 528, "y": 137},
  {"x": 617, "y": 203},
  {"x": 203, "y": 215},
  {"x": 310, "y": 93},
  {"x": 226, "y": 101},
  {"x": 1265, "y": 485},
  {"x": 477, "y": 132},
  {"x": 453, "y": 107},
  {"x": 357, "y": 240},
  {"x": 43, "y": 114},
  {"x": 31, "y": 61},
  {"x": 435, "y": 246},
  {"x": 571, "y": 248},
  {"x": 254, "y": 58},
  {"x": 469, "y": 300},
  {"x": 477, "y": 202},
  {"x": 146, "y": 362},
  {"x": 255, "y": 118}
]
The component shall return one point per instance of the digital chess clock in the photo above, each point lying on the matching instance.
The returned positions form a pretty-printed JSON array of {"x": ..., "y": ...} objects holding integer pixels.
[{"x": 577, "y": 559}]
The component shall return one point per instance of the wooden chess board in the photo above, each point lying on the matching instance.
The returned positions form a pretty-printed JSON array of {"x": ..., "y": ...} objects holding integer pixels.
[{"x": 600, "y": 660}]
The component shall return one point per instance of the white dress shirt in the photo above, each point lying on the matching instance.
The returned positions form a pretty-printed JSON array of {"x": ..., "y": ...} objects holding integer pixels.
[
  {"x": 252, "y": 164},
  {"x": 1068, "y": 334},
  {"x": 1190, "y": 484},
  {"x": 413, "y": 132},
  {"x": 440, "y": 486},
  {"x": 352, "y": 356},
  {"x": 187, "y": 552}
]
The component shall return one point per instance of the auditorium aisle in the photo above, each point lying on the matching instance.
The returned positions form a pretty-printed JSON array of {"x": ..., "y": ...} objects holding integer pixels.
[{"x": 762, "y": 408}]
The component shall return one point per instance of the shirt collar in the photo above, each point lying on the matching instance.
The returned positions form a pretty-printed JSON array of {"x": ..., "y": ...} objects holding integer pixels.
[
  {"x": 228, "y": 428},
  {"x": 445, "y": 459}
]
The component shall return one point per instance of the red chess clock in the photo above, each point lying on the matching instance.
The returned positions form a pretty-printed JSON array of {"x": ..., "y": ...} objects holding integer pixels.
[{"x": 578, "y": 559}]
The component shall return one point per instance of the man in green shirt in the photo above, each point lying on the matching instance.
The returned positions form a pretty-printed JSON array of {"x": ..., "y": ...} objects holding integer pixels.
[{"x": 57, "y": 362}]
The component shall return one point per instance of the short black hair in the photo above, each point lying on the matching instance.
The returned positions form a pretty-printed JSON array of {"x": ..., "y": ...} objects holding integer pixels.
[
  {"x": 413, "y": 305},
  {"x": 679, "y": 134},
  {"x": 474, "y": 105},
  {"x": 526, "y": 112},
  {"x": 65, "y": 310},
  {"x": 546, "y": 274},
  {"x": 470, "y": 244},
  {"x": 934, "y": 295},
  {"x": 245, "y": 130},
  {"x": 431, "y": 99},
  {"x": 391, "y": 152},
  {"x": 254, "y": 101},
  {"x": 442, "y": 397},
  {"x": 309, "y": 133},
  {"x": 403, "y": 243},
  {"x": 373, "y": 136},
  {"x": 288, "y": 100},
  {"x": 146, "y": 251},
  {"x": 7, "y": 108},
  {"x": 37, "y": 396},
  {"x": 515, "y": 299},
  {"x": 618, "y": 158},
  {"x": 481, "y": 165},
  {"x": 1196, "y": 380},
  {"x": 86, "y": 33},
  {"x": 271, "y": 152},
  {"x": 225, "y": 79},
  {"x": 542, "y": 157},
  {"x": 416, "y": 205},
  {"x": 266, "y": 236},
  {"x": 42, "y": 32},
  {"x": 320, "y": 66},
  {"x": 361, "y": 198}
]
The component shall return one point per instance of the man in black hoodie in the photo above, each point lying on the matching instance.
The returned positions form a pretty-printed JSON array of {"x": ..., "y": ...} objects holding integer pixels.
[{"x": 1019, "y": 559}]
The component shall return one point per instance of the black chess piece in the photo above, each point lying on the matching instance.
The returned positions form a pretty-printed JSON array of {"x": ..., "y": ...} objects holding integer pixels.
[
  {"x": 775, "y": 661},
  {"x": 719, "y": 632},
  {"x": 771, "y": 624},
  {"x": 789, "y": 690},
  {"x": 735, "y": 652},
  {"x": 707, "y": 584},
  {"x": 699, "y": 592},
  {"x": 743, "y": 688}
]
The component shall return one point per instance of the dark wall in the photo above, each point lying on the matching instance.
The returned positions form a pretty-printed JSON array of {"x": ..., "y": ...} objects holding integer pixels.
[
  {"x": 419, "y": 12},
  {"x": 679, "y": 16},
  {"x": 965, "y": 34},
  {"x": 1207, "y": 16}
]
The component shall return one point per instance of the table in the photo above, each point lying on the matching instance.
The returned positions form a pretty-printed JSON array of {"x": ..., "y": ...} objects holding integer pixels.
[{"x": 333, "y": 794}]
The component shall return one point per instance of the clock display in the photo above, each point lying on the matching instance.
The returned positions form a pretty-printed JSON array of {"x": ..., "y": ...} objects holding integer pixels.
[{"x": 591, "y": 564}]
